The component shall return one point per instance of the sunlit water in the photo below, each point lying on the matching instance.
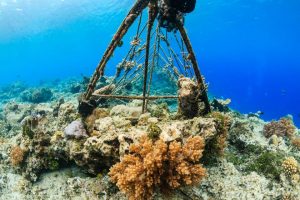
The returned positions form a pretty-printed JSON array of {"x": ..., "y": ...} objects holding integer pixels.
[{"x": 249, "y": 50}]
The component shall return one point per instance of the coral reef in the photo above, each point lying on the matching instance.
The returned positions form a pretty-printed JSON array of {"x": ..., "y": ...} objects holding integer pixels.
[
  {"x": 37, "y": 95},
  {"x": 157, "y": 164},
  {"x": 240, "y": 161}
]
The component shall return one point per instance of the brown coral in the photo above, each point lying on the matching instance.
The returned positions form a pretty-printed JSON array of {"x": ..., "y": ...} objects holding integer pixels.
[
  {"x": 296, "y": 142},
  {"x": 90, "y": 120},
  {"x": 160, "y": 165},
  {"x": 16, "y": 156},
  {"x": 217, "y": 145},
  {"x": 283, "y": 127}
]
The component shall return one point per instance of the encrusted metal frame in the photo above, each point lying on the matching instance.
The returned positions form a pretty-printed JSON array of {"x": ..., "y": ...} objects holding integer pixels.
[{"x": 133, "y": 14}]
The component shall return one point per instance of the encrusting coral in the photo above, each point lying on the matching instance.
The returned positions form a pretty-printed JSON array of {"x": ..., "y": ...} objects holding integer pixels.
[
  {"x": 157, "y": 164},
  {"x": 283, "y": 127}
]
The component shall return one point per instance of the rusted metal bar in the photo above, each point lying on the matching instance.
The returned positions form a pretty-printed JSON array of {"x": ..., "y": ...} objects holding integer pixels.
[
  {"x": 136, "y": 10},
  {"x": 152, "y": 15},
  {"x": 192, "y": 57},
  {"x": 153, "y": 63},
  {"x": 134, "y": 97}
]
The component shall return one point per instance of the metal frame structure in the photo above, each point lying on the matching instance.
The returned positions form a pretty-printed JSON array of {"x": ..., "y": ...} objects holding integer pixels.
[{"x": 86, "y": 105}]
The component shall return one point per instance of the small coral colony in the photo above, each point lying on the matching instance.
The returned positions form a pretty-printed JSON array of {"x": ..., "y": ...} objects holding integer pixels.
[{"x": 113, "y": 145}]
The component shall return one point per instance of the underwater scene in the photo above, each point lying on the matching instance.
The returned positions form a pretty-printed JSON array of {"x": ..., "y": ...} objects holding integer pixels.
[{"x": 149, "y": 99}]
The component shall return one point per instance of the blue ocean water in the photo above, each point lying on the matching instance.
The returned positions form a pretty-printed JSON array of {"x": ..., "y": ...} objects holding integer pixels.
[{"x": 248, "y": 50}]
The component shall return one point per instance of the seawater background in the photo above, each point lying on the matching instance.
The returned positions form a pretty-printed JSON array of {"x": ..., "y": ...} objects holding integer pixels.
[{"x": 249, "y": 50}]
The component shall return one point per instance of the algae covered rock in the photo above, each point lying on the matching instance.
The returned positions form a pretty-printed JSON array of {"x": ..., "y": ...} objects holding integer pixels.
[
  {"x": 154, "y": 131},
  {"x": 75, "y": 88},
  {"x": 206, "y": 127},
  {"x": 126, "y": 111},
  {"x": 104, "y": 124},
  {"x": 171, "y": 132},
  {"x": 37, "y": 95},
  {"x": 97, "y": 153},
  {"x": 160, "y": 111},
  {"x": 221, "y": 105},
  {"x": 67, "y": 113}
]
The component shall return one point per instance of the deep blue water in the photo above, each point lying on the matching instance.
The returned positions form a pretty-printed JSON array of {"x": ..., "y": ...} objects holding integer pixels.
[{"x": 249, "y": 50}]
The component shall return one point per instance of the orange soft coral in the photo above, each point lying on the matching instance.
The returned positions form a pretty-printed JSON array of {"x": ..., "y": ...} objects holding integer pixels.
[
  {"x": 283, "y": 127},
  {"x": 16, "y": 156},
  {"x": 182, "y": 168},
  {"x": 156, "y": 164}
]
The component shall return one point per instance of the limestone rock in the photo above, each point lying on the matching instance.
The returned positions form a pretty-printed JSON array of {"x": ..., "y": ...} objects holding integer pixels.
[
  {"x": 143, "y": 119},
  {"x": 99, "y": 152},
  {"x": 170, "y": 133},
  {"x": 126, "y": 111},
  {"x": 104, "y": 124},
  {"x": 206, "y": 127}
]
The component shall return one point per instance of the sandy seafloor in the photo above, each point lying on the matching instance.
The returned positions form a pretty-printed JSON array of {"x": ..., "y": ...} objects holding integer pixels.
[{"x": 251, "y": 167}]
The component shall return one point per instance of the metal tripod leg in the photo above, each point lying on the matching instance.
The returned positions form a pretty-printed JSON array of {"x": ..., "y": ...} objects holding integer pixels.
[
  {"x": 200, "y": 81},
  {"x": 152, "y": 16},
  {"x": 86, "y": 107}
]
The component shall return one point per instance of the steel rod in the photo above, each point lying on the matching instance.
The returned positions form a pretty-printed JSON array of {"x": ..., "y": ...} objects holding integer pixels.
[
  {"x": 133, "y": 97},
  {"x": 152, "y": 16},
  {"x": 128, "y": 21}
]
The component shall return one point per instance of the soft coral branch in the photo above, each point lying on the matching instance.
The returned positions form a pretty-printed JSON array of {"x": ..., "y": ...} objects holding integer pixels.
[{"x": 157, "y": 164}]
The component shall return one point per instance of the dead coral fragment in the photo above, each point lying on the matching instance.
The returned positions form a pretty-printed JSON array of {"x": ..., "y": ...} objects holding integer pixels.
[
  {"x": 16, "y": 156},
  {"x": 283, "y": 127},
  {"x": 153, "y": 165}
]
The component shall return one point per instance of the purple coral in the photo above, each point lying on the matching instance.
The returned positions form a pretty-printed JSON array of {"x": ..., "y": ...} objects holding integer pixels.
[{"x": 75, "y": 130}]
